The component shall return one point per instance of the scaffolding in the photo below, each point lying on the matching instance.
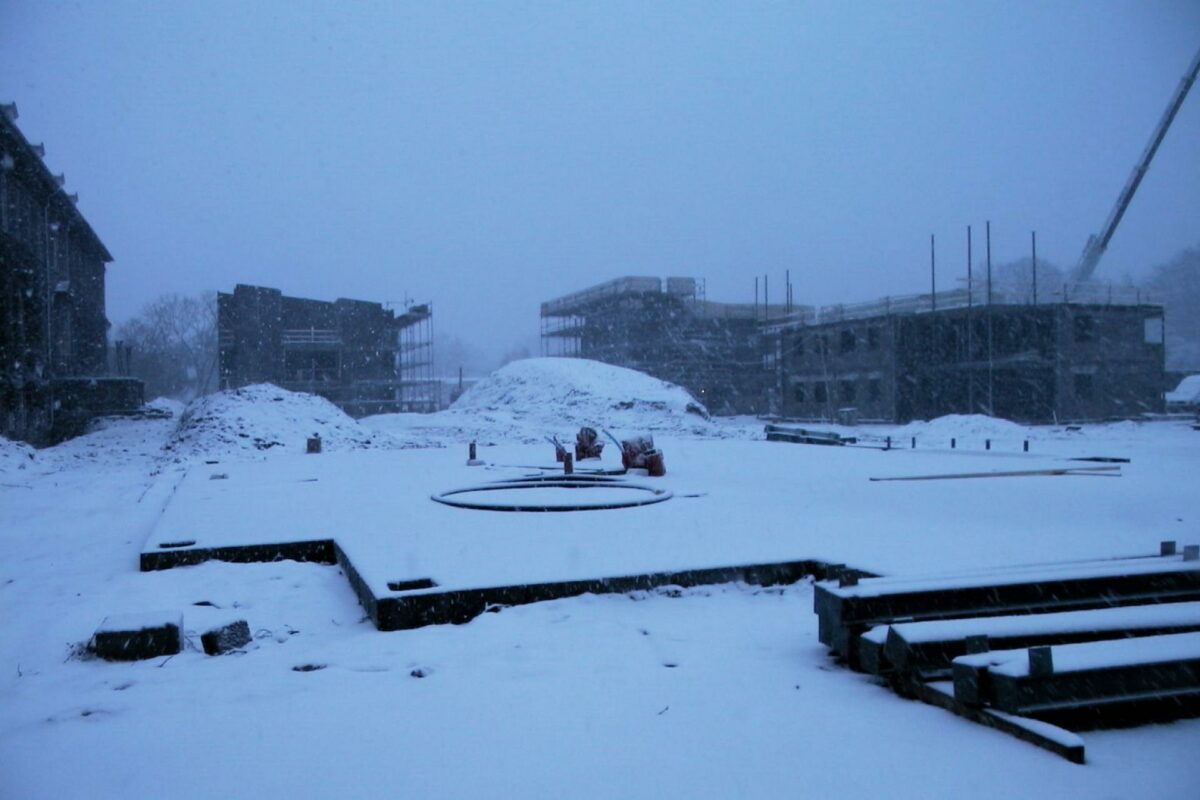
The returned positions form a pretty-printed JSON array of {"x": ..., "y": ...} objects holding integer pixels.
[
  {"x": 416, "y": 389},
  {"x": 666, "y": 328}
]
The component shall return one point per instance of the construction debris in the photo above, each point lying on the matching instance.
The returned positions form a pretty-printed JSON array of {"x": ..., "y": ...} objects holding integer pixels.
[
  {"x": 782, "y": 433},
  {"x": 588, "y": 444},
  {"x": 639, "y": 452},
  {"x": 133, "y": 637},
  {"x": 1106, "y": 472},
  {"x": 226, "y": 638}
]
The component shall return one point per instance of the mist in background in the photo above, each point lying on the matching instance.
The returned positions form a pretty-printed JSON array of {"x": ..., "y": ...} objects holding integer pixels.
[{"x": 487, "y": 157}]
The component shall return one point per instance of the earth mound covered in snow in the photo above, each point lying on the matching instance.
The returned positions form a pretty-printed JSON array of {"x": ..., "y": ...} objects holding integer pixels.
[
  {"x": 264, "y": 417},
  {"x": 534, "y": 398},
  {"x": 580, "y": 387}
]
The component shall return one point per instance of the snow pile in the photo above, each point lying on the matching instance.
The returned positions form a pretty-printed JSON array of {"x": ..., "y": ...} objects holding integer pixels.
[
  {"x": 531, "y": 399},
  {"x": 964, "y": 428},
  {"x": 583, "y": 389},
  {"x": 1186, "y": 393},
  {"x": 264, "y": 417},
  {"x": 14, "y": 456}
]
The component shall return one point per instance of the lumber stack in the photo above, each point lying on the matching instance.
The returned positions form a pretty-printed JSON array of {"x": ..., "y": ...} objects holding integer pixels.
[
  {"x": 787, "y": 433},
  {"x": 1116, "y": 638},
  {"x": 1084, "y": 675}
]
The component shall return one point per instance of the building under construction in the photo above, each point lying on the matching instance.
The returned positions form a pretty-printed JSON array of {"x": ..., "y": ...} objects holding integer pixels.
[
  {"x": 669, "y": 330},
  {"x": 363, "y": 357},
  {"x": 1095, "y": 356}
]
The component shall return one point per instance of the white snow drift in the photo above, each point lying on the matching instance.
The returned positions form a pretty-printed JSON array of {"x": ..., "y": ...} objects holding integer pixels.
[{"x": 528, "y": 400}]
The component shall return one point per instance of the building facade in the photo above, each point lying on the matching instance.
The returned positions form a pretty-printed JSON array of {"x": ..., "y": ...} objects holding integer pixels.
[
  {"x": 666, "y": 329},
  {"x": 1065, "y": 361},
  {"x": 360, "y": 356},
  {"x": 54, "y": 375}
]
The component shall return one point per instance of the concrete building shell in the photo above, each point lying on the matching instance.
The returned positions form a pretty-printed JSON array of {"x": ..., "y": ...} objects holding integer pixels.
[
  {"x": 359, "y": 355},
  {"x": 1033, "y": 363}
]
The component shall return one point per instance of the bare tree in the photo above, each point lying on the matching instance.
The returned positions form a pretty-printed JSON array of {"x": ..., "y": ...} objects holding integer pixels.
[
  {"x": 174, "y": 341},
  {"x": 1177, "y": 285}
]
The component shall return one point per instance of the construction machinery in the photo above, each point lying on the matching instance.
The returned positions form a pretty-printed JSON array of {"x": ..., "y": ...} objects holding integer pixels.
[{"x": 1098, "y": 243}]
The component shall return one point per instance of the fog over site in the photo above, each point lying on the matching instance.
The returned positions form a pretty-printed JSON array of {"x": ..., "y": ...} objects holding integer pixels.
[
  {"x": 600, "y": 400},
  {"x": 486, "y": 157}
]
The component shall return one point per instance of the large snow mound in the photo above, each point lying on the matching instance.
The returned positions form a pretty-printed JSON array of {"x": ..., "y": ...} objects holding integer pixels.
[
  {"x": 534, "y": 398},
  {"x": 264, "y": 417},
  {"x": 578, "y": 386}
]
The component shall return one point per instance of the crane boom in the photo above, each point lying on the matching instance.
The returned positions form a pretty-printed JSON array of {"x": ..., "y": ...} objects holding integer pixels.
[{"x": 1098, "y": 243}]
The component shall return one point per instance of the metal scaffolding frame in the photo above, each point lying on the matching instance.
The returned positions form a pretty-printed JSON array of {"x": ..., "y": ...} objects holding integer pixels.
[{"x": 416, "y": 390}]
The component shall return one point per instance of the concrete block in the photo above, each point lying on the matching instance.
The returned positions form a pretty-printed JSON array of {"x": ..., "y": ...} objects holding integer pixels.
[
  {"x": 223, "y": 639},
  {"x": 132, "y": 637}
]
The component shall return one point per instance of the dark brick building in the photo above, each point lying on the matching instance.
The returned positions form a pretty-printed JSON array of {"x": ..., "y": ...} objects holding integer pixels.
[
  {"x": 1092, "y": 359},
  {"x": 359, "y": 355},
  {"x": 53, "y": 328}
]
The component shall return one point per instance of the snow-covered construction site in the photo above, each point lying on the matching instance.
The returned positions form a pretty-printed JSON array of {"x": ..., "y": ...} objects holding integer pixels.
[{"x": 576, "y": 582}]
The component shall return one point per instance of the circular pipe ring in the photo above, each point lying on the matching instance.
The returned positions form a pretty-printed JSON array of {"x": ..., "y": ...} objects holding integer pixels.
[{"x": 649, "y": 494}]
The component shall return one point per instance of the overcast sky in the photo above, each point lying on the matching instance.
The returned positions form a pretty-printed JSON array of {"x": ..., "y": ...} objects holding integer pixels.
[{"x": 486, "y": 157}]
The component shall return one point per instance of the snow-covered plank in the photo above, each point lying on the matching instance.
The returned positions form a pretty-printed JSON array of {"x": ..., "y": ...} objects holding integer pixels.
[
  {"x": 845, "y": 612},
  {"x": 1088, "y": 674},
  {"x": 1043, "y": 734},
  {"x": 931, "y": 646}
]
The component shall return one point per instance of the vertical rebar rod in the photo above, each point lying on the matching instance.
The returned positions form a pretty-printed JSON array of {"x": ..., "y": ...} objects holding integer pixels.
[
  {"x": 989, "y": 262},
  {"x": 1033, "y": 236},
  {"x": 970, "y": 331},
  {"x": 991, "y": 361},
  {"x": 932, "y": 275},
  {"x": 970, "y": 293}
]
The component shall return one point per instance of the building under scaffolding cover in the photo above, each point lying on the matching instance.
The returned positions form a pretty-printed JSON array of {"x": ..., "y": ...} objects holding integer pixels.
[
  {"x": 1095, "y": 355},
  {"x": 666, "y": 329},
  {"x": 359, "y": 355}
]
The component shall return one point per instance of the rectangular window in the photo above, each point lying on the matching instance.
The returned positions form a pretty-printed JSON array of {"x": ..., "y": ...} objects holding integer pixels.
[
  {"x": 1083, "y": 386},
  {"x": 1153, "y": 330},
  {"x": 1085, "y": 329},
  {"x": 873, "y": 338},
  {"x": 848, "y": 341},
  {"x": 819, "y": 393},
  {"x": 846, "y": 391},
  {"x": 874, "y": 390},
  {"x": 798, "y": 392}
]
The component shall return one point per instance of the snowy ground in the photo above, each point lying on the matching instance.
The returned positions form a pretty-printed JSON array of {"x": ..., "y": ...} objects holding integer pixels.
[{"x": 720, "y": 692}]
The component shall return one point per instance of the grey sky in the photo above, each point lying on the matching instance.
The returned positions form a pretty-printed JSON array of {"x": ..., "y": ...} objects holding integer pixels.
[{"x": 490, "y": 156}]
